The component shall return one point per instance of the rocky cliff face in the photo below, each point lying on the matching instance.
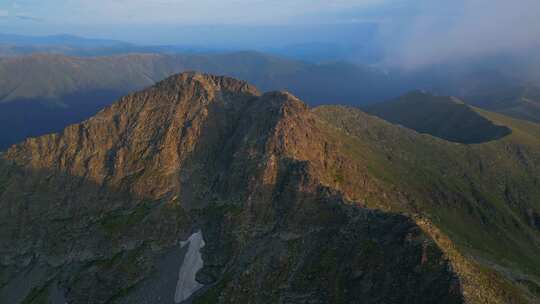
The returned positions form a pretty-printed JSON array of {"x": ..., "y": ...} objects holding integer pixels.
[{"x": 98, "y": 213}]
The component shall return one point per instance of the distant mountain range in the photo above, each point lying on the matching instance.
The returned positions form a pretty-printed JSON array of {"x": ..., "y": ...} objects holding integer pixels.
[
  {"x": 516, "y": 101},
  {"x": 43, "y": 93},
  {"x": 67, "y": 75},
  {"x": 281, "y": 202},
  {"x": 58, "y": 40},
  {"x": 315, "y": 52},
  {"x": 16, "y": 45}
]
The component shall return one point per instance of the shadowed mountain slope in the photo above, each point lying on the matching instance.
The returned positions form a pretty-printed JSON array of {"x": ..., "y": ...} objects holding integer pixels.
[
  {"x": 485, "y": 197},
  {"x": 440, "y": 116},
  {"x": 521, "y": 102},
  {"x": 324, "y": 205}
]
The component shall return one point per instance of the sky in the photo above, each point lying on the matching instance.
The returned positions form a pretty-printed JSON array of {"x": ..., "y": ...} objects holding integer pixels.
[
  {"x": 410, "y": 33},
  {"x": 184, "y": 12},
  {"x": 243, "y": 22}
]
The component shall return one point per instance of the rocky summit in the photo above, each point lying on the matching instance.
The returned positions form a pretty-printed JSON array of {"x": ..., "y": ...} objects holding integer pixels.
[{"x": 200, "y": 189}]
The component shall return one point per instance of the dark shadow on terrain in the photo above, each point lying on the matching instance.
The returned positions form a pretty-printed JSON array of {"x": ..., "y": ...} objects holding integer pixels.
[
  {"x": 102, "y": 242},
  {"x": 65, "y": 234},
  {"x": 23, "y": 118},
  {"x": 439, "y": 116},
  {"x": 324, "y": 84},
  {"x": 522, "y": 102},
  {"x": 299, "y": 241}
]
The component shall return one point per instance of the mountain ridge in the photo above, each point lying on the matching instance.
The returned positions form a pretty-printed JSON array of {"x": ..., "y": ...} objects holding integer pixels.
[
  {"x": 44, "y": 93},
  {"x": 445, "y": 117},
  {"x": 229, "y": 169},
  {"x": 46, "y": 97},
  {"x": 521, "y": 102}
]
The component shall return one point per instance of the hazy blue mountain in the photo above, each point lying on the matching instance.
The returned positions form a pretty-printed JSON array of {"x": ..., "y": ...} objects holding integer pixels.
[
  {"x": 13, "y": 45},
  {"x": 58, "y": 40},
  {"x": 315, "y": 49},
  {"x": 63, "y": 89},
  {"x": 43, "y": 93},
  {"x": 517, "y": 101}
]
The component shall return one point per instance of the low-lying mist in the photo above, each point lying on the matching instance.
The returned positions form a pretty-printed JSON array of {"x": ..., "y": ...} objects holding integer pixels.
[{"x": 492, "y": 32}]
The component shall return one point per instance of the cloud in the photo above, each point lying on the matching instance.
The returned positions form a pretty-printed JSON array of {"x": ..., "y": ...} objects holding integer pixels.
[
  {"x": 463, "y": 29},
  {"x": 28, "y": 18},
  {"x": 4, "y": 13}
]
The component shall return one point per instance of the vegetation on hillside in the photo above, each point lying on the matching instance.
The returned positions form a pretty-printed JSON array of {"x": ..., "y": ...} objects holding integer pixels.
[{"x": 485, "y": 197}]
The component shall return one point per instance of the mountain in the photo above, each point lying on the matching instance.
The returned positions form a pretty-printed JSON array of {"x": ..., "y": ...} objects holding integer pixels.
[
  {"x": 312, "y": 43},
  {"x": 45, "y": 93},
  {"x": 506, "y": 84},
  {"x": 484, "y": 197},
  {"x": 521, "y": 102},
  {"x": 63, "y": 40},
  {"x": 40, "y": 94},
  {"x": 441, "y": 116},
  {"x": 14, "y": 45},
  {"x": 23, "y": 77},
  {"x": 320, "y": 52},
  {"x": 272, "y": 200},
  {"x": 51, "y": 77},
  {"x": 94, "y": 48}
]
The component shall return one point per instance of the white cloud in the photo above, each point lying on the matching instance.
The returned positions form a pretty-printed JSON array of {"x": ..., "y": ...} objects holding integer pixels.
[{"x": 467, "y": 29}]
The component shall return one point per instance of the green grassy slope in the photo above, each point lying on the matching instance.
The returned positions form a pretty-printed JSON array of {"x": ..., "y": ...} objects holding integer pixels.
[{"x": 485, "y": 197}]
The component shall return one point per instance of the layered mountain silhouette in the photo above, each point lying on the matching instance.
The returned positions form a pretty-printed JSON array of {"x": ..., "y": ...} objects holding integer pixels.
[
  {"x": 295, "y": 205},
  {"x": 40, "y": 94},
  {"x": 68, "y": 75},
  {"x": 522, "y": 102},
  {"x": 13, "y": 45},
  {"x": 441, "y": 116}
]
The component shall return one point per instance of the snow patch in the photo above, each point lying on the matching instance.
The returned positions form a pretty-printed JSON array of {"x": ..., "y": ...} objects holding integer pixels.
[{"x": 193, "y": 262}]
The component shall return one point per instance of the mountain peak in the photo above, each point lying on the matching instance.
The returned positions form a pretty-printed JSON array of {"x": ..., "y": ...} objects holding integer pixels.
[
  {"x": 209, "y": 82},
  {"x": 155, "y": 130}
]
